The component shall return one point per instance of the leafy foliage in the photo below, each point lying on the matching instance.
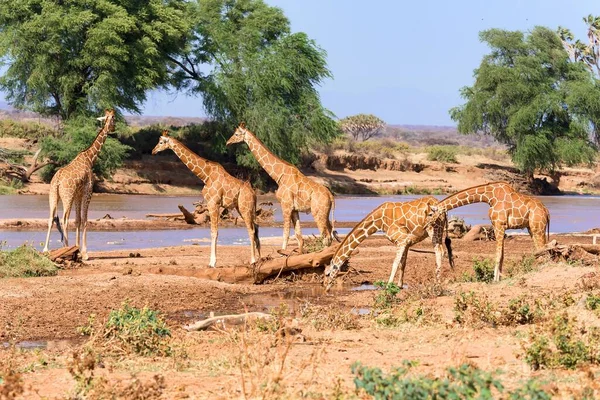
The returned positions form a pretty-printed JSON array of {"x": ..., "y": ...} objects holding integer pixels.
[
  {"x": 386, "y": 297},
  {"x": 362, "y": 126},
  {"x": 25, "y": 262},
  {"x": 67, "y": 58},
  {"x": 24, "y": 130},
  {"x": 442, "y": 153},
  {"x": 464, "y": 382},
  {"x": 257, "y": 72},
  {"x": 80, "y": 133},
  {"x": 529, "y": 96},
  {"x": 589, "y": 54},
  {"x": 483, "y": 271},
  {"x": 141, "y": 331}
]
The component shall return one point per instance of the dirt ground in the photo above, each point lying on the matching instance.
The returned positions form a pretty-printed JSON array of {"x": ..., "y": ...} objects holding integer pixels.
[{"x": 315, "y": 363}]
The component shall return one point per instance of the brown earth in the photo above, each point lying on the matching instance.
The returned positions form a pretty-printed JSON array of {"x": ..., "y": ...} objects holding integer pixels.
[{"x": 317, "y": 361}]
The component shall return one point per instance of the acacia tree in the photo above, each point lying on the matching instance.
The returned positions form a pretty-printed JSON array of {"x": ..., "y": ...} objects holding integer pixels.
[
  {"x": 248, "y": 66},
  {"x": 529, "y": 96},
  {"x": 78, "y": 56},
  {"x": 362, "y": 126}
]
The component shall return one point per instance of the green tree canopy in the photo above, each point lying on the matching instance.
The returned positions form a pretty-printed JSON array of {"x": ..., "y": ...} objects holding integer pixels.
[
  {"x": 362, "y": 126},
  {"x": 80, "y": 56},
  {"x": 529, "y": 96},
  {"x": 248, "y": 66}
]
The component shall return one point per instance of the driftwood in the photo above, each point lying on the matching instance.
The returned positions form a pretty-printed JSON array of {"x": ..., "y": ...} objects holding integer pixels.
[
  {"x": 258, "y": 272},
  {"x": 223, "y": 321},
  {"x": 64, "y": 253},
  {"x": 480, "y": 232},
  {"x": 167, "y": 216},
  {"x": 188, "y": 216},
  {"x": 586, "y": 253}
]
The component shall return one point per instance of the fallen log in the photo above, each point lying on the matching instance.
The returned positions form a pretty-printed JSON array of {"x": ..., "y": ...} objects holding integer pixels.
[
  {"x": 176, "y": 216},
  {"x": 64, "y": 253},
  {"x": 256, "y": 273},
  {"x": 223, "y": 321},
  {"x": 187, "y": 216},
  {"x": 477, "y": 231},
  {"x": 585, "y": 253}
]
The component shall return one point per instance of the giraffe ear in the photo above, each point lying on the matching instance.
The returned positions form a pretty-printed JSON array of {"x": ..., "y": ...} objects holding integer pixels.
[
  {"x": 165, "y": 132},
  {"x": 434, "y": 209},
  {"x": 242, "y": 125},
  {"x": 101, "y": 118}
]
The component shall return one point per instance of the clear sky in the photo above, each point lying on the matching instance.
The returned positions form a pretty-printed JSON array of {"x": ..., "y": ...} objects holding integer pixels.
[{"x": 403, "y": 61}]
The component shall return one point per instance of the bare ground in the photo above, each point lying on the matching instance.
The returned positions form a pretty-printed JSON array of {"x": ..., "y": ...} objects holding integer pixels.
[{"x": 315, "y": 363}]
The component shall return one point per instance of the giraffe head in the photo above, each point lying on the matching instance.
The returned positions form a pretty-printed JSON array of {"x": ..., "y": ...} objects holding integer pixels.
[
  {"x": 108, "y": 119},
  {"x": 163, "y": 143},
  {"x": 239, "y": 135}
]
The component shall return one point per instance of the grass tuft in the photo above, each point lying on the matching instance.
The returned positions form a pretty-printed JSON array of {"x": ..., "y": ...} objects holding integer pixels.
[{"x": 25, "y": 262}]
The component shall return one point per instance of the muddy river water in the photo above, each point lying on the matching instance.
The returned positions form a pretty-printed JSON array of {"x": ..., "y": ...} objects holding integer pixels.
[{"x": 568, "y": 214}]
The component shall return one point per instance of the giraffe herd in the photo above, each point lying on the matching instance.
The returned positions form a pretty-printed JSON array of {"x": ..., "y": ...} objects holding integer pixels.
[{"x": 404, "y": 224}]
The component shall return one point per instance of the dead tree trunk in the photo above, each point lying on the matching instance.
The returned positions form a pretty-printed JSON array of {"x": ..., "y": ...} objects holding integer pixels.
[
  {"x": 188, "y": 216},
  {"x": 257, "y": 273},
  {"x": 24, "y": 173}
]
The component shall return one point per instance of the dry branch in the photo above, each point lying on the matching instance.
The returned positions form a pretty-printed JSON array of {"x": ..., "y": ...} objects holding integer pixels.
[
  {"x": 226, "y": 320},
  {"x": 64, "y": 253},
  {"x": 586, "y": 253},
  {"x": 188, "y": 216},
  {"x": 479, "y": 232},
  {"x": 258, "y": 272}
]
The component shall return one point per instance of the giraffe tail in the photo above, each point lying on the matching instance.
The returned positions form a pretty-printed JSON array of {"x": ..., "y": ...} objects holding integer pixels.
[
  {"x": 56, "y": 220},
  {"x": 334, "y": 233},
  {"x": 256, "y": 238},
  {"x": 448, "y": 243}
]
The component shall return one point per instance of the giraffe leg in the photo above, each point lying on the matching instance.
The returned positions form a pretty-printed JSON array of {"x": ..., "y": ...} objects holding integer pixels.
[
  {"x": 53, "y": 200},
  {"x": 214, "y": 234},
  {"x": 77, "y": 220},
  {"x": 84, "y": 222},
  {"x": 400, "y": 261},
  {"x": 324, "y": 226},
  {"x": 66, "y": 212},
  {"x": 298, "y": 231},
  {"x": 499, "y": 232},
  {"x": 248, "y": 217},
  {"x": 439, "y": 255},
  {"x": 399, "y": 254},
  {"x": 287, "y": 220}
]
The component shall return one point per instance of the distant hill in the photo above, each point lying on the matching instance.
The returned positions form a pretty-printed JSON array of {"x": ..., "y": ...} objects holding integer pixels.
[{"x": 415, "y": 135}]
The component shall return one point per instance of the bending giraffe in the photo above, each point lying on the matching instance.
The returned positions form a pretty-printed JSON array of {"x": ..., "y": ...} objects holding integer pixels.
[
  {"x": 74, "y": 184},
  {"x": 404, "y": 224},
  {"x": 508, "y": 210},
  {"x": 296, "y": 192},
  {"x": 220, "y": 190}
]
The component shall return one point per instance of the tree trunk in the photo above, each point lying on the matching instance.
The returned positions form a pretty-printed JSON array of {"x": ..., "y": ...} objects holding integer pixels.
[{"x": 188, "y": 216}]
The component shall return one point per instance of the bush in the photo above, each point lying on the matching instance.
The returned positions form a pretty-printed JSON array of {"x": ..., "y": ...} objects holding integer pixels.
[
  {"x": 135, "y": 330},
  {"x": 472, "y": 310},
  {"x": 592, "y": 302},
  {"x": 517, "y": 268},
  {"x": 25, "y": 262},
  {"x": 483, "y": 271},
  {"x": 442, "y": 154},
  {"x": 79, "y": 135},
  {"x": 386, "y": 297},
  {"x": 464, "y": 382},
  {"x": 24, "y": 130}
]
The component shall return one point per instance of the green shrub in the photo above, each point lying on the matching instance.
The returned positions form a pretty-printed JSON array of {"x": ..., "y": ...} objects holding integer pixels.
[
  {"x": 24, "y": 130},
  {"x": 471, "y": 309},
  {"x": 592, "y": 302},
  {"x": 464, "y": 382},
  {"x": 442, "y": 154},
  {"x": 483, "y": 271},
  {"x": 141, "y": 331},
  {"x": 386, "y": 297},
  {"x": 522, "y": 267},
  {"x": 521, "y": 312},
  {"x": 25, "y": 262}
]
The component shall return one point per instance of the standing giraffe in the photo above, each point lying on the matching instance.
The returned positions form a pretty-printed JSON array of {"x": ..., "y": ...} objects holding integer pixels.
[
  {"x": 296, "y": 192},
  {"x": 404, "y": 224},
  {"x": 220, "y": 190},
  {"x": 508, "y": 210},
  {"x": 73, "y": 184}
]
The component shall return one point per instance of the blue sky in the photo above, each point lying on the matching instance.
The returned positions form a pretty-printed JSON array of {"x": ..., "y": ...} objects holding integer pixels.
[{"x": 402, "y": 61}]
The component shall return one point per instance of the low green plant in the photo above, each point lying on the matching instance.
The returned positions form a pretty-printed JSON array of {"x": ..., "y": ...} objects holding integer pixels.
[
  {"x": 134, "y": 330},
  {"x": 464, "y": 382},
  {"x": 445, "y": 154},
  {"x": 386, "y": 297},
  {"x": 521, "y": 267},
  {"x": 25, "y": 262},
  {"x": 472, "y": 309},
  {"x": 409, "y": 312},
  {"x": 328, "y": 317},
  {"x": 562, "y": 343},
  {"x": 24, "y": 130},
  {"x": 521, "y": 311},
  {"x": 483, "y": 271},
  {"x": 592, "y": 302}
]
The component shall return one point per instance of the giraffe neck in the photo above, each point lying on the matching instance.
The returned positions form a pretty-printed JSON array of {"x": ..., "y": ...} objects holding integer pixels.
[
  {"x": 480, "y": 194},
  {"x": 194, "y": 162},
  {"x": 365, "y": 228},
  {"x": 269, "y": 161},
  {"x": 91, "y": 153}
]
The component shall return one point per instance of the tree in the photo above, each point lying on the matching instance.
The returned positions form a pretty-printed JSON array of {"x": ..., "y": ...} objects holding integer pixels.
[
  {"x": 81, "y": 56},
  {"x": 247, "y": 66},
  {"x": 529, "y": 96},
  {"x": 580, "y": 52},
  {"x": 362, "y": 126}
]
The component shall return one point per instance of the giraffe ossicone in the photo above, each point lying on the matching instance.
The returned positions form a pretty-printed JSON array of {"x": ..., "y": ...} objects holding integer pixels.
[
  {"x": 404, "y": 224},
  {"x": 220, "y": 190},
  {"x": 296, "y": 193},
  {"x": 73, "y": 184}
]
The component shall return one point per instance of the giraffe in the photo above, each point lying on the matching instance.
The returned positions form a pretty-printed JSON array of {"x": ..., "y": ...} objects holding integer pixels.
[
  {"x": 296, "y": 192},
  {"x": 74, "y": 184},
  {"x": 220, "y": 190},
  {"x": 508, "y": 210},
  {"x": 404, "y": 225}
]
